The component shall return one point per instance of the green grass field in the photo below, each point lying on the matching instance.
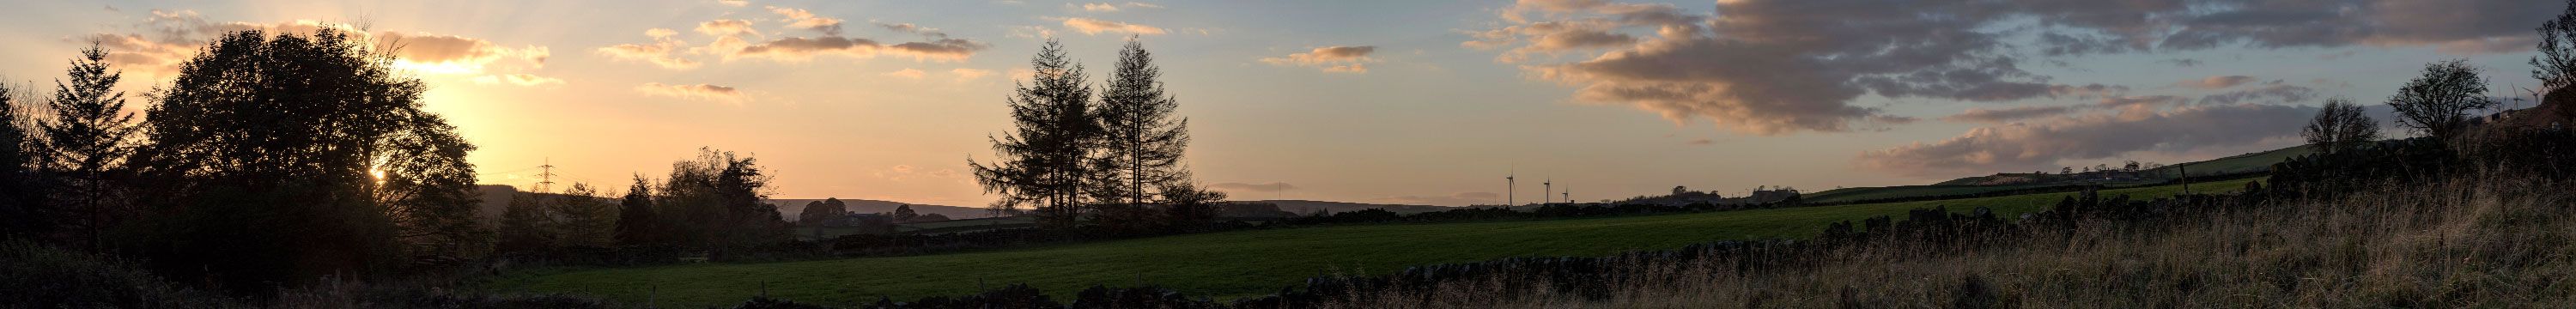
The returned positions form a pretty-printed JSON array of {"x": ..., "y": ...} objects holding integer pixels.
[
  {"x": 2252, "y": 162},
  {"x": 1231, "y": 264}
]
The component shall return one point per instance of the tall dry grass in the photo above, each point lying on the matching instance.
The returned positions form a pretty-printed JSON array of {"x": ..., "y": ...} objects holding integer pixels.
[{"x": 2484, "y": 241}]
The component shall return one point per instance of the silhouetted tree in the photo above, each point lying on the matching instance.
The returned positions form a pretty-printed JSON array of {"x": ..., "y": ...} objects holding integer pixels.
[
  {"x": 87, "y": 141},
  {"x": 281, "y": 159},
  {"x": 904, "y": 213},
  {"x": 2438, "y": 103},
  {"x": 583, "y": 218},
  {"x": 526, "y": 224},
  {"x": 1042, "y": 162},
  {"x": 19, "y": 194},
  {"x": 715, "y": 201},
  {"x": 2340, "y": 126},
  {"x": 636, "y": 222},
  {"x": 1140, "y": 143},
  {"x": 2555, "y": 67},
  {"x": 818, "y": 212},
  {"x": 1187, "y": 203}
]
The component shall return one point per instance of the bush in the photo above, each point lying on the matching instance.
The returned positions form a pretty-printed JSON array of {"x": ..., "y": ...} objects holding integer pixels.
[{"x": 40, "y": 276}]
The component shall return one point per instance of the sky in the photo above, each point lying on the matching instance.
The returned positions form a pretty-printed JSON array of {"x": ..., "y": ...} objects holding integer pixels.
[{"x": 1397, "y": 102}]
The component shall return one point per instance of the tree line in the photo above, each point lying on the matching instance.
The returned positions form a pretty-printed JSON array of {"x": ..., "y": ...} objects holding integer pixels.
[{"x": 272, "y": 160}]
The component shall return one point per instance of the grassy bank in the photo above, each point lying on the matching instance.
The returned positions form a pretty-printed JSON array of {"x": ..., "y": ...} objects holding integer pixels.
[
  {"x": 1232, "y": 264},
  {"x": 2473, "y": 243}
]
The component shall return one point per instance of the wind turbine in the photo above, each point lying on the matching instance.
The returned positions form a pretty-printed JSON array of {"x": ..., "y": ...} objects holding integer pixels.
[
  {"x": 1508, "y": 186},
  {"x": 1550, "y": 186},
  {"x": 1569, "y": 194}
]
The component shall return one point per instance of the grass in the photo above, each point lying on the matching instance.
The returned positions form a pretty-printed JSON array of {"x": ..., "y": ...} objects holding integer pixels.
[
  {"x": 2483, "y": 242},
  {"x": 2251, "y": 162},
  {"x": 807, "y": 232},
  {"x": 1871, "y": 193},
  {"x": 1227, "y": 265}
]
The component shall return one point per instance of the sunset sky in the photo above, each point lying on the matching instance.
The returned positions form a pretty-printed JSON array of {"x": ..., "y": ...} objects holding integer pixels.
[{"x": 1400, "y": 102}]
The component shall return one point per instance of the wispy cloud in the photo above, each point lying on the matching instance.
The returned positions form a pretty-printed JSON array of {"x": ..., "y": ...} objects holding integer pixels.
[
  {"x": 518, "y": 79},
  {"x": 695, "y": 92},
  {"x": 906, "y": 73},
  {"x": 1095, "y": 26},
  {"x": 1331, "y": 59}
]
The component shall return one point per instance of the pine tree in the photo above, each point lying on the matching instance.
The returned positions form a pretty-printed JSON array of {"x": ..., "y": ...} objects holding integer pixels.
[
  {"x": 1141, "y": 145},
  {"x": 636, "y": 222},
  {"x": 88, "y": 138},
  {"x": 1041, "y": 163}
]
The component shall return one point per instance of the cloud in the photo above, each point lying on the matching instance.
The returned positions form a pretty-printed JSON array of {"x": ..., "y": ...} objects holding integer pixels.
[
  {"x": 1249, "y": 187},
  {"x": 801, "y": 49},
  {"x": 658, "y": 53},
  {"x": 801, "y": 19},
  {"x": 2153, "y": 102},
  {"x": 1097, "y": 7},
  {"x": 1325, "y": 55},
  {"x": 1458, "y": 199},
  {"x": 1332, "y": 58},
  {"x": 169, "y": 38},
  {"x": 1095, "y": 26},
  {"x": 1701, "y": 141},
  {"x": 2040, "y": 145},
  {"x": 906, "y": 73},
  {"x": 727, "y": 27},
  {"x": 730, "y": 45},
  {"x": 1354, "y": 68},
  {"x": 518, "y": 79},
  {"x": 694, "y": 92},
  {"x": 965, "y": 74},
  {"x": 2180, "y": 62},
  {"x": 906, "y": 28},
  {"x": 1773, "y": 67},
  {"x": 734, "y": 2},
  {"x": 2216, "y": 82},
  {"x": 1144, "y": 5},
  {"x": 2274, "y": 91},
  {"x": 2001, "y": 116}
]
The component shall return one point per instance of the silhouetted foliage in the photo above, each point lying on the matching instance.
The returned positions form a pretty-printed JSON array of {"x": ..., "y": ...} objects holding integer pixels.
[
  {"x": 2437, "y": 104},
  {"x": 20, "y": 196},
  {"x": 637, "y": 223},
  {"x": 2340, "y": 125},
  {"x": 714, "y": 202},
  {"x": 1140, "y": 144},
  {"x": 2555, "y": 67},
  {"x": 281, "y": 159},
  {"x": 526, "y": 224},
  {"x": 86, "y": 143},
  {"x": 1042, "y": 163},
  {"x": 816, "y": 213},
  {"x": 583, "y": 218},
  {"x": 904, "y": 213}
]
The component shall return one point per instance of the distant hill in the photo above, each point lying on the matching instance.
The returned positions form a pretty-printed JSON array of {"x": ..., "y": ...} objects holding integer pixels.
[
  {"x": 1305, "y": 206},
  {"x": 497, "y": 198},
  {"x": 2243, "y": 163},
  {"x": 2251, "y": 162},
  {"x": 791, "y": 207}
]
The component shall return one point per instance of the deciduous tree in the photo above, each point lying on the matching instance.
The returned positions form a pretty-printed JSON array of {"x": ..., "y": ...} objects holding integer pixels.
[
  {"x": 2437, "y": 104},
  {"x": 2340, "y": 126}
]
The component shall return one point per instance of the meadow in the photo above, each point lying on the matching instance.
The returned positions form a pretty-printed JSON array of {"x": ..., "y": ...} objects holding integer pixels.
[{"x": 1231, "y": 264}]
